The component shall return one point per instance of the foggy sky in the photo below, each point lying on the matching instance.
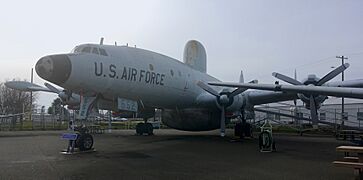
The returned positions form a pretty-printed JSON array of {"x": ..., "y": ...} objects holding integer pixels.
[{"x": 258, "y": 37}]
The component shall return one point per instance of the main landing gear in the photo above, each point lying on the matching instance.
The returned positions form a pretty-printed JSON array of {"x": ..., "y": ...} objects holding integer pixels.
[
  {"x": 144, "y": 128},
  {"x": 243, "y": 129}
]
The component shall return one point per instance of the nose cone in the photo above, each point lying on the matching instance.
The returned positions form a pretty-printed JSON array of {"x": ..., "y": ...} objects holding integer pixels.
[{"x": 55, "y": 68}]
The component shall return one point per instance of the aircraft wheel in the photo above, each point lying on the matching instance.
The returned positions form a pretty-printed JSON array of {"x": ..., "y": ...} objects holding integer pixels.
[
  {"x": 144, "y": 128},
  {"x": 140, "y": 128},
  {"x": 84, "y": 142},
  {"x": 149, "y": 127},
  {"x": 247, "y": 130},
  {"x": 238, "y": 130}
]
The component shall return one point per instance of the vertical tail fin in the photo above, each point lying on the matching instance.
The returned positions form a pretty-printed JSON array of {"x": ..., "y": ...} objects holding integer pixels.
[{"x": 195, "y": 56}]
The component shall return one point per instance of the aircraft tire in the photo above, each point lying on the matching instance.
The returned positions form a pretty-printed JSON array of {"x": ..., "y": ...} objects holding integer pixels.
[
  {"x": 85, "y": 142},
  {"x": 247, "y": 130},
  {"x": 140, "y": 128},
  {"x": 144, "y": 128},
  {"x": 149, "y": 128},
  {"x": 238, "y": 130}
]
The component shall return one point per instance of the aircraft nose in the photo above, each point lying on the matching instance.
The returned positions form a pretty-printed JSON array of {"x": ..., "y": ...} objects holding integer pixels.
[{"x": 54, "y": 68}]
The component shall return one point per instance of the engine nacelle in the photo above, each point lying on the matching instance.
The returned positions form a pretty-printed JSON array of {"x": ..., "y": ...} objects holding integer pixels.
[
  {"x": 191, "y": 119},
  {"x": 318, "y": 100},
  {"x": 69, "y": 98}
]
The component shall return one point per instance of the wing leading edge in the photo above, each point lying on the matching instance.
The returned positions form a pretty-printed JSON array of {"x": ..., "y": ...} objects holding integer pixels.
[{"x": 318, "y": 90}]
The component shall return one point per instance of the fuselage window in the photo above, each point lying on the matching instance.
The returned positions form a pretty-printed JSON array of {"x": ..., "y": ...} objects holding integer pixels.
[
  {"x": 172, "y": 72},
  {"x": 103, "y": 52},
  {"x": 95, "y": 51},
  {"x": 180, "y": 74},
  {"x": 86, "y": 49},
  {"x": 151, "y": 67}
]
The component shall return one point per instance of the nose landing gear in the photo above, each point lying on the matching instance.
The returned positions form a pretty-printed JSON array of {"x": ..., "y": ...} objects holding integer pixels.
[{"x": 80, "y": 140}]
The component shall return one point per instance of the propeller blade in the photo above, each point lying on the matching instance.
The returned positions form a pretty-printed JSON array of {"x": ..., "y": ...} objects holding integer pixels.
[
  {"x": 313, "y": 111},
  {"x": 52, "y": 88},
  {"x": 241, "y": 90},
  {"x": 223, "y": 121},
  {"x": 208, "y": 88},
  {"x": 333, "y": 74},
  {"x": 286, "y": 78},
  {"x": 237, "y": 91}
]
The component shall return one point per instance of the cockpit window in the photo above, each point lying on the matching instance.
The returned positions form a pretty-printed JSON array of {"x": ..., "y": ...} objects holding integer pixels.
[
  {"x": 89, "y": 49},
  {"x": 95, "y": 51},
  {"x": 86, "y": 49},
  {"x": 103, "y": 52},
  {"x": 77, "y": 49}
]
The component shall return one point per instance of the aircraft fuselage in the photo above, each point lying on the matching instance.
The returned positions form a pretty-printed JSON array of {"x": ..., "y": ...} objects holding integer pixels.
[{"x": 155, "y": 79}]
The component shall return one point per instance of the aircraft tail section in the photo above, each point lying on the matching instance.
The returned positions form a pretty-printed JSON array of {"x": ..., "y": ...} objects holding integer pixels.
[{"x": 195, "y": 56}]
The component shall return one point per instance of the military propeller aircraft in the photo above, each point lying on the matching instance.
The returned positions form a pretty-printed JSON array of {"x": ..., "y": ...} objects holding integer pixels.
[{"x": 132, "y": 79}]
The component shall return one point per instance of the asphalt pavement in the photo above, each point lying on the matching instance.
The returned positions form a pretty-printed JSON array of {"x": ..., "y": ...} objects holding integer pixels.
[{"x": 169, "y": 154}]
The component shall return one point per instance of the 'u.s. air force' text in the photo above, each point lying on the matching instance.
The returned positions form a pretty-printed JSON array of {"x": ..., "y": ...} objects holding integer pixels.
[{"x": 129, "y": 74}]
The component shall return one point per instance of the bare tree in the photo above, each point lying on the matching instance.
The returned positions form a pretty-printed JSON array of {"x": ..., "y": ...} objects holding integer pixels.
[
  {"x": 56, "y": 107},
  {"x": 14, "y": 101}
]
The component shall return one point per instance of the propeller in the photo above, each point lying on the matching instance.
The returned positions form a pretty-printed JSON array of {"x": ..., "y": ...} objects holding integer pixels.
[
  {"x": 224, "y": 99},
  {"x": 64, "y": 95},
  {"x": 52, "y": 88},
  {"x": 313, "y": 101}
]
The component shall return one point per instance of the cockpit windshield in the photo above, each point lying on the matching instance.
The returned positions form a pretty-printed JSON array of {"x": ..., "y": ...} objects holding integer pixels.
[{"x": 89, "y": 49}]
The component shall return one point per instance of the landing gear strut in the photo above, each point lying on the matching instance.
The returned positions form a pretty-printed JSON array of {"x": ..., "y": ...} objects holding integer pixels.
[{"x": 144, "y": 128}]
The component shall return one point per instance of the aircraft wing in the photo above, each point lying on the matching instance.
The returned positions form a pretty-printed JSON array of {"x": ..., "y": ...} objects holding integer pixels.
[
  {"x": 26, "y": 86},
  {"x": 318, "y": 90},
  {"x": 258, "y": 97},
  {"x": 355, "y": 83}
]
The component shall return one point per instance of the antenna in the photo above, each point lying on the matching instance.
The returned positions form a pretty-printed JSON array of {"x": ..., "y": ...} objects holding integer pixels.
[
  {"x": 295, "y": 76},
  {"x": 115, "y": 43},
  {"x": 101, "y": 42},
  {"x": 135, "y": 46},
  {"x": 127, "y": 44}
]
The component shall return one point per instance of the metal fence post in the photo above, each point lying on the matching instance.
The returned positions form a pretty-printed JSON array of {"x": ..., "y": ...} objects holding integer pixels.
[
  {"x": 358, "y": 119},
  {"x": 335, "y": 119}
]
